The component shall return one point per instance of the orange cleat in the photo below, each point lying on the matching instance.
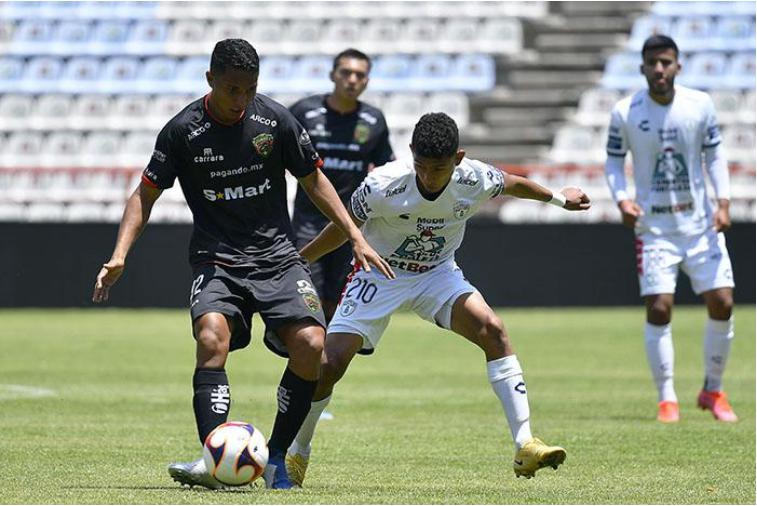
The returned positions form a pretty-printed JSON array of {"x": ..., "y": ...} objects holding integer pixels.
[
  {"x": 717, "y": 402},
  {"x": 667, "y": 412}
]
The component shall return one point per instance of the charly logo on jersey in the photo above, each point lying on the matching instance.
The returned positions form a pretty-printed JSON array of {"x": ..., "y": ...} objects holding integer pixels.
[
  {"x": 461, "y": 208},
  {"x": 263, "y": 121},
  {"x": 670, "y": 172},
  {"x": 304, "y": 138},
  {"x": 423, "y": 247},
  {"x": 362, "y": 133},
  {"x": 644, "y": 125},
  {"x": 198, "y": 131},
  {"x": 237, "y": 192},
  {"x": 208, "y": 156},
  {"x": 497, "y": 178},
  {"x": 263, "y": 144}
]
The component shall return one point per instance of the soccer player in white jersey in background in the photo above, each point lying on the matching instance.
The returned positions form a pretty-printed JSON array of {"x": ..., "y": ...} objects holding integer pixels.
[
  {"x": 668, "y": 128},
  {"x": 413, "y": 212}
]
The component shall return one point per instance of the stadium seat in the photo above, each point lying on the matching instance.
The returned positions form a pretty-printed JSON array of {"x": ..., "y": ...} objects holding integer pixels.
[
  {"x": 186, "y": 37},
  {"x": 455, "y": 104},
  {"x": 12, "y": 212},
  {"x": 147, "y": 37},
  {"x": 118, "y": 75},
  {"x": 403, "y": 109},
  {"x": 748, "y": 111},
  {"x": 225, "y": 29},
  {"x": 50, "y": 109},
  {"x": 739, "y": 144},
  {"x": 190, "y": 76},
  {"x": 301, "y": 37},
  {"x": 108, "y": 38},
  {"x": 62, "y": 149},
  {"x": 431, "y": 72},
  {"x": 400, "y": 139},
  {"x": 100, "y": 149},
  {"x": 576, "y": 144},
  {"x": 130, "y": 112},
  {"x": 419, "y": 34},
  {"x": 381, "y": 36},
  {"x": 389, "y": 72},
  {"x": 734, "y": 33},
  {"x": 32, "y": 37},
  {"x": 704, "y": 70},
  {"x": 81, "y": 74},
  {"x": 15, "y": 111},
  {"x": 22, "y": 150},
  {"x": 622, "y": 72},
  {"x": 693, "y": 33},
  {"x": 500, "y": 36},
  {"x": 458, "y": 34},
  {"x": 741, "y": 71},
  {"x": 165, "y": 107},
  {"x": 645, "y": 27},
  {"x": 136, "y": 149},
  {"x": 265, "y": 36},
  {"x": 84, "y": 212},
  {"x": 45, "y": 212},
  {"x": 90, "y": 112},
  {"x": 595, "y": 105},
  {"x": 473, "y": 73},
  {"x": 341, "y": 34},
  {"x": 41, "y": 75},
  {"x": 70, "y": 38},
  {"x": 728, "y": 105},
  {"x": 156, "y": 74},
  {"x": 11, "y": 71},
  {"x": 311, "y": 75}
]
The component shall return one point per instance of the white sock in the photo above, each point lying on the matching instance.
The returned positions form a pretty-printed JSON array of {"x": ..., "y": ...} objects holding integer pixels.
[
  {"x": 718, "y": 335},
  {"x": 658, "y": 341},
  {"x": 301, "y": 443},
  {"x": 506, "y": 378}
]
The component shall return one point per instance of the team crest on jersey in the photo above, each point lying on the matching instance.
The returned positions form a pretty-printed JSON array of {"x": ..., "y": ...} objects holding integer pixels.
[
  {"x": 347, "y": 307},
  {"x": 424, "y": 247},
  {"x": 263, "y": 144},
  {"x": 362, "y": 132},
  {"x": 670, "y": 172},
  {"x": 460, "y": 208},
  {"x": 312, "y": 302}
]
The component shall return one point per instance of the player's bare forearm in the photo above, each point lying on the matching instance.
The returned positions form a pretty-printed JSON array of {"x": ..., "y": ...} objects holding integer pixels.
[
  {"x": 324, "y": 196},
  {"x": 136, "y": 213},
  {"x": 524, "y": 188},
  {"x": 324, "y": 243}
]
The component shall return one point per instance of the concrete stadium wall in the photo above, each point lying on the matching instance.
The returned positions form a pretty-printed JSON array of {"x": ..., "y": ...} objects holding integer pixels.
[{"x": 54, "y": 265}]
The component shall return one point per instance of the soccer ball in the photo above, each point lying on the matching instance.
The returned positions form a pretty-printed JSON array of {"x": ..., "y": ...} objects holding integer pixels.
[{"x": 235, "y": 453}]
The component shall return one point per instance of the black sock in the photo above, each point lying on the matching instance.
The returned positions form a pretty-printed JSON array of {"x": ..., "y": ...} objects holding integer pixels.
[
  {"x": 211, "y": 401},
  {"x": 294, "y": 396}
]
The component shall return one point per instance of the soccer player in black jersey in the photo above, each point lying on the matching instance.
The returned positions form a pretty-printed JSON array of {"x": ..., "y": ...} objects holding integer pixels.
[
  {"x": 351, "y": 137},
  {"x": 229, "y": 151}
]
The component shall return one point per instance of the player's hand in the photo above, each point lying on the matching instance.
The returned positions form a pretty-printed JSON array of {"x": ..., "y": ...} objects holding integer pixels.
[
  {"x": 630, "y": 212},
  {"x": 366, "y": 256},
  {"x": 575, "y": 199},
  {"x": 106, "y": 278},
  {"x": 722, "y": 219}
]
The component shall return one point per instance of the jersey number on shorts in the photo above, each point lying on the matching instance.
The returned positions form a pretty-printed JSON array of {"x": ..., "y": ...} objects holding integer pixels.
[{"x": 365, "y": 290}]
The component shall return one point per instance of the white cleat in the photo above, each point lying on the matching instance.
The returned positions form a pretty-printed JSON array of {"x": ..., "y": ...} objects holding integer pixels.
[{"x": 194, "y": 473}]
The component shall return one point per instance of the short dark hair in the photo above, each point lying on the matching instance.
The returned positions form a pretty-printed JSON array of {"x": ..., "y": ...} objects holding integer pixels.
[
  {"x": 351, "y": 53},
  {"x": 659, "y": 42},
  {"x": 234, "y": 54},
  {"x": 435, "y": 136}
]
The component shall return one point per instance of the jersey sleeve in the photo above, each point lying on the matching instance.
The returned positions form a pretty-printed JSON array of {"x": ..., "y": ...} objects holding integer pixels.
[
  {"x": 365, "y": 199},
  {"x": 299, "y": 155},
  {"x": 382, "y": 153},
  {"x": 711, "y": 136},
  {"x": 162, "y": 169},
  {"x": 617, "y": 143}
]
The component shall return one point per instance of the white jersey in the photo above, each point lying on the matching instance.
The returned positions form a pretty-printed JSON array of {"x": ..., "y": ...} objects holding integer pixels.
[
  {"x": 666, "y": 142},
  {"x": 412, "y": 233}
]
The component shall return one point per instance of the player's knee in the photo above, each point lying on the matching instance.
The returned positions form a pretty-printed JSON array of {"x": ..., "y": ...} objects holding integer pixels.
[
  {"x": 308, "y": 346},
  {"x": 492, "y": 335},
  {"x": 658, "y": 313},
  {"x": 721, "y": 306},
  {"x": 212, "y": 341}
]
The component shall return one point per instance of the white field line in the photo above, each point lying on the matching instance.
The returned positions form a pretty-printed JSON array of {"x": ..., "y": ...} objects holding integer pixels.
[{"x": 24, "y": 391}]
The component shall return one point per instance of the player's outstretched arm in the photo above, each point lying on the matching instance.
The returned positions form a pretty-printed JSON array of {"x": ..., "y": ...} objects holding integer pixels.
[
  {"x": 324, "y": 196},
  {"x": 135, "y": 217},
  {"x": 570, "y": 198}
]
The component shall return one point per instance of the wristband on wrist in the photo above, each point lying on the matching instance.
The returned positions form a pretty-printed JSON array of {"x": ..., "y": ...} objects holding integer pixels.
[{"x": 558, "y": 199}]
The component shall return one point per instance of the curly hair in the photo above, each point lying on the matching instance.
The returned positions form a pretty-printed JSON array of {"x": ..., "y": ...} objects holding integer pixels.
[
  {"x": 235, "y": 54},
  {"x": 435, "y": 136}
]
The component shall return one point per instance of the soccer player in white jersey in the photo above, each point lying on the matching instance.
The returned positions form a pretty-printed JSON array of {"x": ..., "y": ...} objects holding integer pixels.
[
  {"x": 413, "y": 212},
  {"x": 668, "y": 129}
]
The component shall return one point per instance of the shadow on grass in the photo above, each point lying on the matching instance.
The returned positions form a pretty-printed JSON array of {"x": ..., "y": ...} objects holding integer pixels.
[{"x": 241, "y": 490}]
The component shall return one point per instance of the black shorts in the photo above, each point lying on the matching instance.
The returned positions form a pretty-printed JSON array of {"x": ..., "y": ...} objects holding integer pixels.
[
  {"x": 330, "y": 272},
  {"x": 239, "y": 292}
]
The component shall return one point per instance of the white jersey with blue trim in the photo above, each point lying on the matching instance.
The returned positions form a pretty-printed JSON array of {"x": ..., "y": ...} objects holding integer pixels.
[
  {"x": 415, "y": 234},
  {"x": 666, "y": 143}
]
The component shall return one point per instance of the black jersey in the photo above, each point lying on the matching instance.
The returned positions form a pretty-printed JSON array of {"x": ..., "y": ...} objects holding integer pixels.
[
  {"x": 348, "y": 143},
  {"x": 232, "y": 177}
]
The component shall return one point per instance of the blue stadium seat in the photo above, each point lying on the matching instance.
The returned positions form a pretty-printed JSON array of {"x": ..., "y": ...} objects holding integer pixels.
[
  {"x": 704, "y": 70},
  {"x": 389, "y": 72},
  {"x": 473, "y": 73},
  {"x": 693, "y": 33},
  {"x": 58, "y": 10},
  {"x": 741, "y": 71},
  {"x": 156, "y": 74},
  {"x": 70, "y": 38},
  {"x": 645, "y": 27},
  {"x": 11, "y": 70},
  {"x": 32, "y": 37},
  {"x": 701, "y": 8},
  {"x": 108, "y": 37},
  {"x": 311, "y": 75},
  {"x": 118, "y": 75},
  {"x": 186, "y": 37},
  {"x": 190, "y": 76},
  {"x": 41, "y": 75},
  {"x": 147, "y": 37},
  {"x": 734, "y": 33},
  {"x": 80, "y": 74},
  {"x": 431, "y": 72},
  {"x": 622, "y": 72},
  {"x": 275, "y": 72}
]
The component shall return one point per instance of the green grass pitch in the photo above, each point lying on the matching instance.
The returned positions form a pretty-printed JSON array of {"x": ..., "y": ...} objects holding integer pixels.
[{"x": 415, "y": 423}]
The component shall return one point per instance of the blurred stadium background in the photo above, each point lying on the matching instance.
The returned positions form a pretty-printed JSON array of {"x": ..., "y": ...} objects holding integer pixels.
[{"x": 86, "y": 86}]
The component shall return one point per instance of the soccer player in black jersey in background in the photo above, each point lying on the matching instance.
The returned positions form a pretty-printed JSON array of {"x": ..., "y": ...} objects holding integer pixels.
[
  {"x": 351, "y": 137},
  {"x": 229, "y": 151}
]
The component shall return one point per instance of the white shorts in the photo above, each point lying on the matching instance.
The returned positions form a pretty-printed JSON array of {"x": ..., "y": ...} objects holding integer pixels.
[
  {"x": 369, "y": 299},
  {"x": 704, "y": 258}
]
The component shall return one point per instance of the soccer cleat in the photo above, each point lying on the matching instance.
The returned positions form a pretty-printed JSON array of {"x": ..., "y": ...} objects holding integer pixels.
[
  {"x": 296, "y": 465},
  {"x": 275, "y": 474},
  {"x": 717, "y": 402},
  {"x": 534, "y": 455},
  {"x": 667, "y": 412},
  {"x": 194, "y": 473}
]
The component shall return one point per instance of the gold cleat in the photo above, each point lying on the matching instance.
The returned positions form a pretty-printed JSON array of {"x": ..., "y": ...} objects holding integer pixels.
[
  {"x": 534, "y": 455},
  {"x": 296, "y": 466}
]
